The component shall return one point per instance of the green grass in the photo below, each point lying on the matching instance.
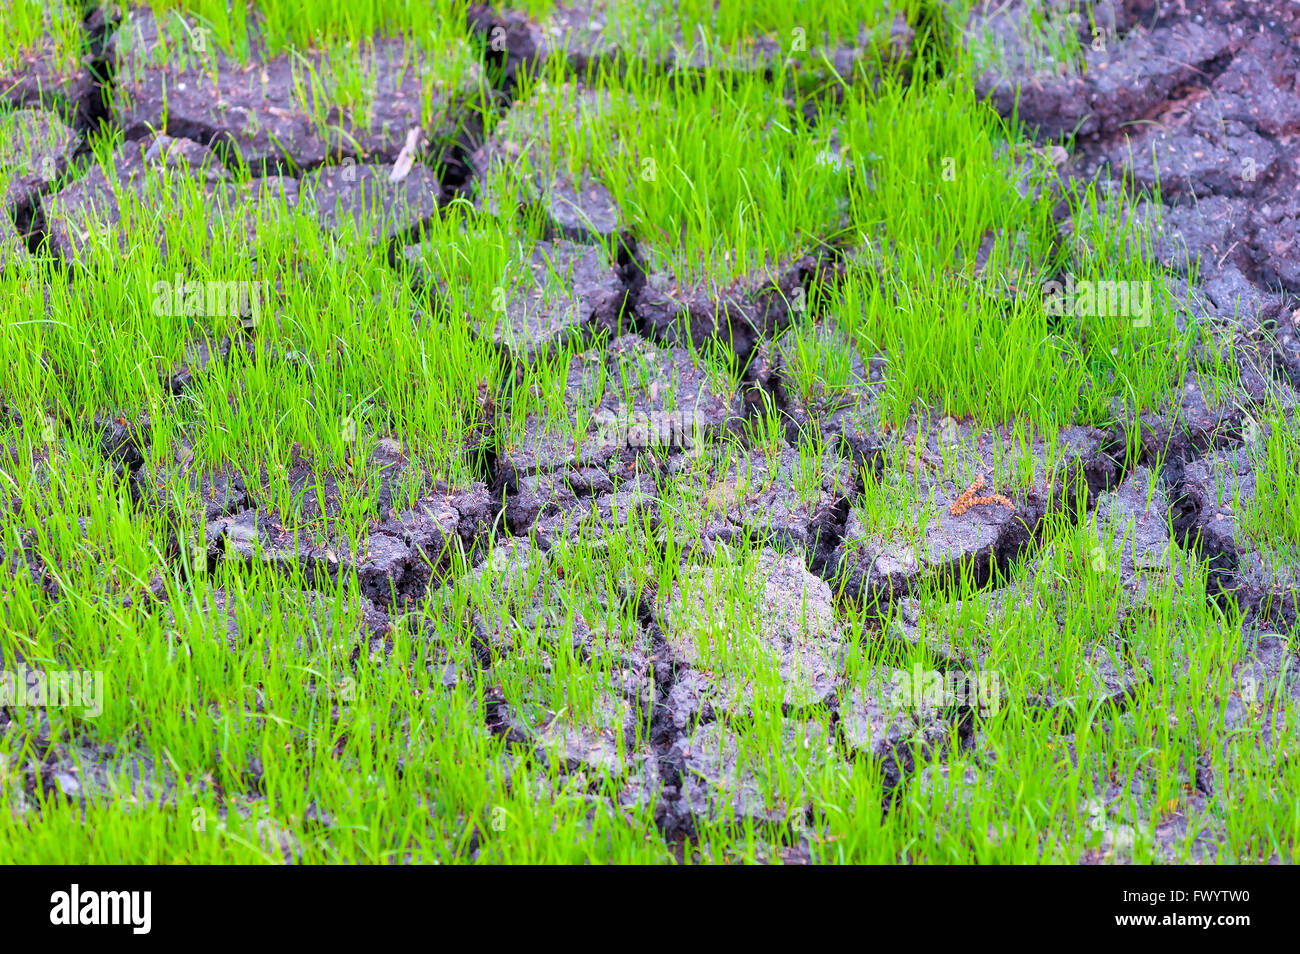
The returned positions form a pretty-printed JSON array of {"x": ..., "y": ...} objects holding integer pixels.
[
  {"x": 34, "y": 28},
  {"x": 283, "y": 26},
  {"x": 254, "y": 716},
  {"x": 1273, "y": 512},
  {"x": 1046, "y": 37},
  {"x": 27, "y": 144},
  {"x": 803, "y": 30}
]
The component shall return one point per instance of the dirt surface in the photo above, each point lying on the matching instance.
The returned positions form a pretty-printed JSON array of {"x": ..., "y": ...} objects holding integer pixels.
[
  {"x": 93, "y": 204},
  {"x": 259, "y": 117},
  {"x": 1210, "y": 87},
  {"x": 73, "y": 90}
]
